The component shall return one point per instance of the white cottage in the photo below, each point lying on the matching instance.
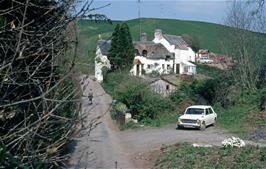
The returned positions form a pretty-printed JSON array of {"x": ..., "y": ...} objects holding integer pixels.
[
  {"x": 101, "y": 59},
  {"x": 165, "y": 54},
  {"x": 150, "y": 57}
]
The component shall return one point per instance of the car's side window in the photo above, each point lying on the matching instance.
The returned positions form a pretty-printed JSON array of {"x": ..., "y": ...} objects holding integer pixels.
[
  {"x": 207, "y": 111},
  {"x": 211, "y": 112}
]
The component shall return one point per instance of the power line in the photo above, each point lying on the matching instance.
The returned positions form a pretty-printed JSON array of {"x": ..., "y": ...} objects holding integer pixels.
[{"x": 139, "y": 16}]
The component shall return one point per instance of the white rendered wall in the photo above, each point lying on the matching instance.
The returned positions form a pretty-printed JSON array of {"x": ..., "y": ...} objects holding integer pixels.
[
  {"x": 100, "y": 62},
  {"x": 191, "y": 70},
  {"x": 155, "y": 65},
  {"x": 180, "y": 55}
]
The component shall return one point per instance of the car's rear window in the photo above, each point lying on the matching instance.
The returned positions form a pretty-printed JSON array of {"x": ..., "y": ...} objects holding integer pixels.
[{"x": 196, "y": 111}]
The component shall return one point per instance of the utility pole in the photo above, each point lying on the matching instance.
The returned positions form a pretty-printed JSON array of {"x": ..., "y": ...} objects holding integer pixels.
[{"x": 139, "y": 6}]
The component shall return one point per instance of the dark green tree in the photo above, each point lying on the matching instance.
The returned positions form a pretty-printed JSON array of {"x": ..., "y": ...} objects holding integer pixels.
[
  {"x": 121, "y": 53},
  {"x": 192, "y": 41},
  {"x": 126, "y": 40},
  {"x": 112, "y": 54}
]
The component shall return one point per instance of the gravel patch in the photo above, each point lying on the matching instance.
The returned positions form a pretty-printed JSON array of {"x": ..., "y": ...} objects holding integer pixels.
[{"x": 259, "y": 134}]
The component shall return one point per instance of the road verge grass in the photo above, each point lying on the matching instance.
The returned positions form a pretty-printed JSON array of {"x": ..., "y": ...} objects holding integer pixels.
[{"x": 184, "y": 156}]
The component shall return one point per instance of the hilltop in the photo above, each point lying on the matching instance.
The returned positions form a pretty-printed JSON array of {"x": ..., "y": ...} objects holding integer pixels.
[{"x": 209, "y": 34}]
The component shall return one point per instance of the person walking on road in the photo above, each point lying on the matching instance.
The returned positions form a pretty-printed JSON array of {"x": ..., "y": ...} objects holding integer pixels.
[{"x": 90, "y": 96}]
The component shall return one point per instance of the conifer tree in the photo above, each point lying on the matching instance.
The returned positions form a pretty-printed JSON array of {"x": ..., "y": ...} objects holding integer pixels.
[{"x": 121, "y": 53}]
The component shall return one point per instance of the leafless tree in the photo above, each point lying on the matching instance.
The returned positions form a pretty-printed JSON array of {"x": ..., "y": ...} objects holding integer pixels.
[
  {"x": 38, "y": 41},
  {"x": 243, "y": 44}
]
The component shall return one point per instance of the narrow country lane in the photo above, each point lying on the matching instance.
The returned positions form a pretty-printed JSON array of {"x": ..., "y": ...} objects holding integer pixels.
[{"x": 102, "y": 148}]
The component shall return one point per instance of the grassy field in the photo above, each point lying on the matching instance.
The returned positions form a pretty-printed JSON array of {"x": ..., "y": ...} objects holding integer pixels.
[
  {"x": 187, "y": 157},
  {"x": 209, "y": 35}
]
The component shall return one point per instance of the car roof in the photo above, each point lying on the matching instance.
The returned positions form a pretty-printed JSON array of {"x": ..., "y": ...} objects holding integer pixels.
[{"x": 200, "y": 106}]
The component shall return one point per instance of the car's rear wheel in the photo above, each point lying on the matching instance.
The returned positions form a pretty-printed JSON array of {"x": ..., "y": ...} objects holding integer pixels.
[{"x": 203, "y": 126}]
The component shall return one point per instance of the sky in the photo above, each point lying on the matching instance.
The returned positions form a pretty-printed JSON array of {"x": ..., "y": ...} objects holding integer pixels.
[{"x": 198, "y": 10}]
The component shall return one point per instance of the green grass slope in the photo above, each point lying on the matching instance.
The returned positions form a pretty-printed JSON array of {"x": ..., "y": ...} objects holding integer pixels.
[{"x": 209, "y": 34}]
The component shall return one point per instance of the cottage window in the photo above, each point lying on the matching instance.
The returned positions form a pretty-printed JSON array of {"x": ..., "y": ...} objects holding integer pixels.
[
  {"x": 168, "y": 66},
  {"x": 144, "y": 53},
  {"x": 167, "y": 87},
  {"x": 186, "y": 69},
  {"x": 137, "y": 52},
  {"x": 167, "y": 57},
  {"x": 149, "y": 66}
]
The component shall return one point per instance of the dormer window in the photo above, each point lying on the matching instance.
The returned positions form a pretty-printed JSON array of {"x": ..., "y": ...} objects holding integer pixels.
[
  {"x": 144, "y": 53},
  {"x": 167, "y": 57},
  {"x": 137, "y": 52}
]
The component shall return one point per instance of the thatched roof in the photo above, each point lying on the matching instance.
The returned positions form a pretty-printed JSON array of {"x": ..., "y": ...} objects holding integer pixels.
[
  {"x": 154, "y": 50},
  {"x": 178, "y": 41}
]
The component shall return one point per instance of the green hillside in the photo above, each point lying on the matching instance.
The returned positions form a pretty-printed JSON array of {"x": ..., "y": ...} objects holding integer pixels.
[{"x": 209, "y": 34}]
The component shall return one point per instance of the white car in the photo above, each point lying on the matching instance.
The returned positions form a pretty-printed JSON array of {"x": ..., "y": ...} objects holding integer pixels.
[
  {"x": 205, "y": 60},
  {"x": 198, "y": 116}
]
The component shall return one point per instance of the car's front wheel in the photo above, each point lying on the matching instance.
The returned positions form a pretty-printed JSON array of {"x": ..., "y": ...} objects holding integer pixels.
[
  {"x": 203, "y": 126},
  {"x": 214, "y": 122},
  {"x": 179, "y": 127}
]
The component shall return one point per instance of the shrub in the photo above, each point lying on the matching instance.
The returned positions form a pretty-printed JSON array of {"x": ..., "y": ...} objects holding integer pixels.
[
  {"x": 209, "y": 91},
  {"x": 114, "y": 114},
  {"x": 120, "y": 107},
  {"x": 190, "y": 91},
  {"x": 129, "y": 125},
  {"x": 105, "y": 71},
  {"x": 154, "y": 73},
  {"x": 263, "y": 155},
  {"x": 142, "y": 102},
  {"x": 205, "y": 89},
  {"x": 192, "y": 41},
  {"x": 8, "y": 160},
  {"x": 262, "y": 99}
]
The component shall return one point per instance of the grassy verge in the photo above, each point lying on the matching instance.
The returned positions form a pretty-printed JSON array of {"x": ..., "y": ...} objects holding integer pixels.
[
  {"x": 188, "y": 157},
  {"x": 238, "y": 119},
  {"x": 208, "y": 71}
]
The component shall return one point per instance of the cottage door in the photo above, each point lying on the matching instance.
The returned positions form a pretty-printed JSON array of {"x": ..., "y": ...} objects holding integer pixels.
[
  {"x": 138, "y": 71},
  {"x": 177, "y": 68}
]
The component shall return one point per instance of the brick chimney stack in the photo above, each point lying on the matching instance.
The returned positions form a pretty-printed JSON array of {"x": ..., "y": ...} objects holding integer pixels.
[
  {"x": 143, "y": 37},
  {"x": 158, "y": 34}
]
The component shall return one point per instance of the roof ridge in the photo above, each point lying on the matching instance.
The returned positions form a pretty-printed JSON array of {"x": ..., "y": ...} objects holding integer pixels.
[{"x": 173, "y": 35}]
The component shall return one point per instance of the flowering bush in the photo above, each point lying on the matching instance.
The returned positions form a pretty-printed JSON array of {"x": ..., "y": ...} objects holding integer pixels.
[{"x": 233, "y": 142}]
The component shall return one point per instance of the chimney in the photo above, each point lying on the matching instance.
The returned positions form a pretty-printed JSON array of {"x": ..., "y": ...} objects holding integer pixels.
[
  {"x": 158, "y": 34},
  {"x": 143, "y": 37}
]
